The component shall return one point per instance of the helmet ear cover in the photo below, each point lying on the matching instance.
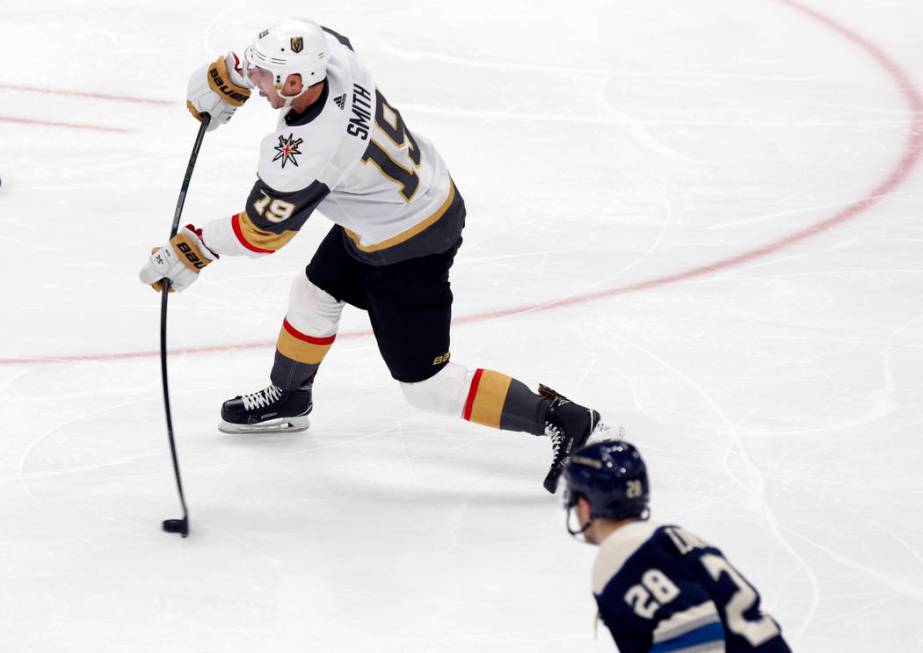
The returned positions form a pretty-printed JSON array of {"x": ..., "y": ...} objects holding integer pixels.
[{"x": 570, "y": 502}]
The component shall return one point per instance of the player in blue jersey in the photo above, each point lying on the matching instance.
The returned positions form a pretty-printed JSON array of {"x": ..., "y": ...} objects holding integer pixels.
[{"x": 660, "y": 589}]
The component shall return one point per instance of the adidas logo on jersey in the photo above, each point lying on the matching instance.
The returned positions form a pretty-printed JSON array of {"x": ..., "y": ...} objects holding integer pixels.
[{"x": 341, "y": 101}]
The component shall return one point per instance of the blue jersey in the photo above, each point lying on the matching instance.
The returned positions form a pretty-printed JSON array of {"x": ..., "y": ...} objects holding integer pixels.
[{"x": 661, "y": 589}]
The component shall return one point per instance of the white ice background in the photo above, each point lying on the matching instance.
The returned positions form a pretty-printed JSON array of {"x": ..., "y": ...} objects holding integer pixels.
[{"x": 649, "y": 146}]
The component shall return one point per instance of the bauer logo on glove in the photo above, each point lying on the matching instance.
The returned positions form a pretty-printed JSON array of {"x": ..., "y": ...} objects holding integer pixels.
[
  {"x": 191, "y": 257},
  {"x": 179, "y": 261},
  {"x": 217, "y": 89},
  {"x": 217, "y": 76}
]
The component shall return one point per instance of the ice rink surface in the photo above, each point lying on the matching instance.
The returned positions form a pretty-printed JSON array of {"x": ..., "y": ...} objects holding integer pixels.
[{"x": 703, "y": 218}]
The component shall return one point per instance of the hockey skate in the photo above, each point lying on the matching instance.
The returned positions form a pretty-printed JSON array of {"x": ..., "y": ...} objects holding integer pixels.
[
  {"x": 270, "y": 410},
  {"x": 569, "y": 426}
]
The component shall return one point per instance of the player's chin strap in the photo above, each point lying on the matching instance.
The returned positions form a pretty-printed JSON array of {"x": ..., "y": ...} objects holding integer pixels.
[
  {"x": 288, "y": 99},
  {"x": 574, "y": 533}
]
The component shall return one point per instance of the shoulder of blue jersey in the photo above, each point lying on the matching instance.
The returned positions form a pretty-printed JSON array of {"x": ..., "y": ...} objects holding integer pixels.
[
  {"x": 616, "y": 549},
  {"x": 642, "y": 543}
]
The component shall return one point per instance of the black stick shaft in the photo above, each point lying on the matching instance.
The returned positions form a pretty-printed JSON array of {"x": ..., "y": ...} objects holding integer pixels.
[
  {"x": 181, "y": 200},
  {"x": 165, "y": 292}
]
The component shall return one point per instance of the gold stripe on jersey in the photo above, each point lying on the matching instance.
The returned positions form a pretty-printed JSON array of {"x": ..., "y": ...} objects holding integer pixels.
[
  {"x": 407, "y": 234},
  {"x": 254, "y": 238},
  {"x": 490, "y": 395}
]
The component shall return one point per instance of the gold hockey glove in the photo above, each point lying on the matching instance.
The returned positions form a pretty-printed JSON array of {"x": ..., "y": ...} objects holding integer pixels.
[
  {"x": 217, "y": 90},
  {"x": 179, "y": 261}
]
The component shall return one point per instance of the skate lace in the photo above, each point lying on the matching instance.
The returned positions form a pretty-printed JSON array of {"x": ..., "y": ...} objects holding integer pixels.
[
  {"x": 262, "y": 398},
  {"x": 557, "y": 439}
]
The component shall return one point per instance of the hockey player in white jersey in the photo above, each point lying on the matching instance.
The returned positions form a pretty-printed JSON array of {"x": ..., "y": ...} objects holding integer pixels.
[
  {"x": 659, "y": 588},
  {"x": 340, "y": 147}
]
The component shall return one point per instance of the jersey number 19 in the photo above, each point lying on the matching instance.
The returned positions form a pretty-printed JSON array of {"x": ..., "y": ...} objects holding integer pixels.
[{"x": 398, "y": 144}]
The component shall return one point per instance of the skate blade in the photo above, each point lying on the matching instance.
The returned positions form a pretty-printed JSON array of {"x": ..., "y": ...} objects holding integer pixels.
[
  {"x": 604, "y": 433},
  {"x": 280, "y": 425}
]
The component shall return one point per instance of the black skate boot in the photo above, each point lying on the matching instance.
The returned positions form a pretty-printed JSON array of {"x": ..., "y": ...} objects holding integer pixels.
[
  {"x": 270, "y": 410},
  {"x": 569, "y": 426}
]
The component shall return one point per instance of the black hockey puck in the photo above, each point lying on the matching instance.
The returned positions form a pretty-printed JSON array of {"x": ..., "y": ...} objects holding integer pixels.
[{"x": 176, "y": 526}]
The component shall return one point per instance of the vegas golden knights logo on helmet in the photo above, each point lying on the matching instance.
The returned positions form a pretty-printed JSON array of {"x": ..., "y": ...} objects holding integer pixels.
[{"x": 297, "y": 44}]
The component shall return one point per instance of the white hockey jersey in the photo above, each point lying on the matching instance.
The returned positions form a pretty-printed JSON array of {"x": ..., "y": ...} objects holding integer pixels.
[{"x": 351, "y": 157}]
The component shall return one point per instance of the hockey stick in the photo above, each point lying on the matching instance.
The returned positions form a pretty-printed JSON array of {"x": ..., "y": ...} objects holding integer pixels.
[{"x": 176, "y": 525}]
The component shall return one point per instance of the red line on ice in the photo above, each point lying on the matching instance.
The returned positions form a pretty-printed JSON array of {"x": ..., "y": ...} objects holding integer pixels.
[
  {"x": 68, "y": 125},
  {"x": 909, "y": 159},
  {"x": 86, "y": 94}
]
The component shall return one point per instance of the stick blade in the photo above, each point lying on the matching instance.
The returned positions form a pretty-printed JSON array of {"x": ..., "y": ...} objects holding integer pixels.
[{"x": 180, "y": 526}]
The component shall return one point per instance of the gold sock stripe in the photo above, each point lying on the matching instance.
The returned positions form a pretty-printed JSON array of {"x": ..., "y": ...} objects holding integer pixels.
[
  {"x": 302, "y": 348},
  {"x": 486, "y": 397}
]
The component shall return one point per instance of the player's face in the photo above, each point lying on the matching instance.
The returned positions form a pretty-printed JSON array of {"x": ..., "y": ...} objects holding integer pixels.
[
  {"x": 583, "y": 514},
  {"x": 264, "y": 80}
]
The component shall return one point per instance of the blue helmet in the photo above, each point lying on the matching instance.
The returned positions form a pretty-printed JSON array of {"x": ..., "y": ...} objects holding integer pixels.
[{"x": 612, "y": 477}]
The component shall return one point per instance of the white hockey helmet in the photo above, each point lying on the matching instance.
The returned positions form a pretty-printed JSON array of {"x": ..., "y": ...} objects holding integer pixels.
[{"x": 291, "y": 46}]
